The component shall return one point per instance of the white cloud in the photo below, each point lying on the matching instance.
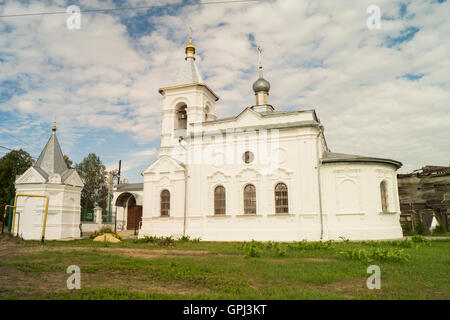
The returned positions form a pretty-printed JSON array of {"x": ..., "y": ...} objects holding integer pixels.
[{"x": 316, "y": 55}]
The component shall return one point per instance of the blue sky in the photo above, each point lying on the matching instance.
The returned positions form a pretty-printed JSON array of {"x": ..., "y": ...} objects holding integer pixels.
[{"x": 377, "y": 92}]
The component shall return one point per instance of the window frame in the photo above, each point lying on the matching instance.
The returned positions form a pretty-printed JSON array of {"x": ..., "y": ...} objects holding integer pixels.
[
  {"x": 283, "y": 194},
  {"x": 164, "y": 203},
  {"x": 252, "y": 200},
  {"x": 222, "y": 201},
  {"x": 384, "y": 196}
]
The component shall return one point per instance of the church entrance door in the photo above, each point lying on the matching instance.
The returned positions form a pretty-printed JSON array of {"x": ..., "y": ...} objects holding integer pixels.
[{"x": 134, "y": 217}]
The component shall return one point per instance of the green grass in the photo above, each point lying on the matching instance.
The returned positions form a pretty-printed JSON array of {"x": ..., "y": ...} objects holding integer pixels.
[{"x": 212, "y": 270}]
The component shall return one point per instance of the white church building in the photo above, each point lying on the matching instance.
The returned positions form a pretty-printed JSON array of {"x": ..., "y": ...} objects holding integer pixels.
[{"x": 263, "y": 174}]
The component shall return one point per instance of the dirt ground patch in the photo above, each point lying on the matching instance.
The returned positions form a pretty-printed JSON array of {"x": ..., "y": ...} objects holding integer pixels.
[
  {"x": 25, "y": 285},
  {"x": 12, "y": 246},
  {"x": 137, "y": 253},
  {"x": 349, "y": 287},
  {"x": 319, "y": 259}
]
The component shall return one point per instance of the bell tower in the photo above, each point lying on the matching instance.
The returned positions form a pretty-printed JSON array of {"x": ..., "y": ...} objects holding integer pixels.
[{"x": 189, "y": 100}]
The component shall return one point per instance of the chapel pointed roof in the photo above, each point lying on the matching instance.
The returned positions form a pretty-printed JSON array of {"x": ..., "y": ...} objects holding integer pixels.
[{"x": 51, "y": 159}]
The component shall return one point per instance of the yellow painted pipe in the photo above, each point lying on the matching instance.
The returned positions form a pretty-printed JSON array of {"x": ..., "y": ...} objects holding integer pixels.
[
  {"x": 45, "y": 215},
  {"x": 18, "y": 223}
]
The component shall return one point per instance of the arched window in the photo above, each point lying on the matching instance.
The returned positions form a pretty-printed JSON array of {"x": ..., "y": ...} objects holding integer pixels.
[
  {"x": 165, "y": 203},
  {"x": 249, "y": 199},
  {"x": 281, "y": 198},
  {"x": 219, "y": 200},
  {"x": 206, "y": 111},
  {"x": 384, "y": 197},
  {"x": 181, "y": 117},
  {"x": 248, "y": 157}
]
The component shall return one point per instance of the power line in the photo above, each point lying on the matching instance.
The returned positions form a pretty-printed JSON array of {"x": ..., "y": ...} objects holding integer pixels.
[
  {"x": 6, "y": 148},
  {"x": 129, "y": 8},
  {"x": 15, "y": 150},
  {"x": 30, "y": 145}
]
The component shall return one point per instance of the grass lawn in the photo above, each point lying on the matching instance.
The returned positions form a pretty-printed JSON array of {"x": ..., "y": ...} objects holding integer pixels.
[{"x": 217, "y": 270}]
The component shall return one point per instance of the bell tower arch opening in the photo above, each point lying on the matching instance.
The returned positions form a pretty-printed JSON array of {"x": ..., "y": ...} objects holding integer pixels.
[{"x": 181, "y": 116}]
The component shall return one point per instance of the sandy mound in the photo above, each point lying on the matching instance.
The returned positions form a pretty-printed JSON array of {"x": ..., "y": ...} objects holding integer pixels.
[{"x": 108, "y": 237}]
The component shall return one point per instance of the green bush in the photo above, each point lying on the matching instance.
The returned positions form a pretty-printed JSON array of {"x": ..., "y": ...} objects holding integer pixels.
[
  {"x": 280, "y": 251},
  {"x": 147, "y": 239},
  {"x": 420, "y": 239},
  {"x": 420, "y": 227},
  {"x": 184, "y": 239},
  {"x": 106, "y": 230},
  {"x": 188, "y": 239},
  {"x": 166, "y": 242},
  {"x": 406, "y": 227},
  {"x": 305, "y": 245},
  {"x": 376, "y": 254},
  {"x": 404, "y": 243},
  {"x": 253, "y": 249},
  {"x": 440, "y": 229}
]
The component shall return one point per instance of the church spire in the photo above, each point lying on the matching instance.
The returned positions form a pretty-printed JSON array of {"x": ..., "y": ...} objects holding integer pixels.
[
  {"x": 261, "y": 86},
  {"x": 190, "y": 48},
  {"x": 54, "y": 126},
  {"x": 260, "y": 62},
  {"x": 51, "y": 159}
]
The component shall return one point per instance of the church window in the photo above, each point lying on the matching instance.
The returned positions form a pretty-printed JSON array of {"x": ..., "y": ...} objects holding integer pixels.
[
  {"x": 182, "y": 117},
  {"x": 165, "y": 203},
  {"x": 219, "y": 200},
  {"x": 281, "y": 198},
  {"x": 384, "y": 197},
  {"x": 248, "y": 157},
  {"x": 249, "y": 199},
  {"x": 206, "y": 113}
]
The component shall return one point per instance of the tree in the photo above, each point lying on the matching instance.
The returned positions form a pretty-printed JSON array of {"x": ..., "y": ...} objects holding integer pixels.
[
  {"x": 95, "y": 191},
  {"x": 69, "y": 163},
  {"x": 12, "y": 164}
]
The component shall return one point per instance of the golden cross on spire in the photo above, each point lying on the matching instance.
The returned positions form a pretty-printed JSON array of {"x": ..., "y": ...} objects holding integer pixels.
[
  {"x": 54, "y": 124},
  {"x": 190, "y": 35}
]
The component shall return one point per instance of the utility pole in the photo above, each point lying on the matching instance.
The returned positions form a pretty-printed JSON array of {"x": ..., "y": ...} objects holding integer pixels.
[
  {"x": 118, "y": 182},
  {"x": 118, "y": 175},
  {"x": 110, "y": 193}
]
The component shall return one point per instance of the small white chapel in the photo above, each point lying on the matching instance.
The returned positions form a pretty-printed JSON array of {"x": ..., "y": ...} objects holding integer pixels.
[{"x": 49, "y": 176}]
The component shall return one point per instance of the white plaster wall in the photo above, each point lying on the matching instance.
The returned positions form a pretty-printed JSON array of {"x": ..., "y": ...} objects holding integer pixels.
[
  {"x": 63, "y": 216},
  {"x": 295, "y": 166},
  {"x": 363, "y": 220}
]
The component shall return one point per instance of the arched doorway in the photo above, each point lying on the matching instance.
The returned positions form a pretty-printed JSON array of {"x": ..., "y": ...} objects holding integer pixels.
[{"x": 133, "y": 208}]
